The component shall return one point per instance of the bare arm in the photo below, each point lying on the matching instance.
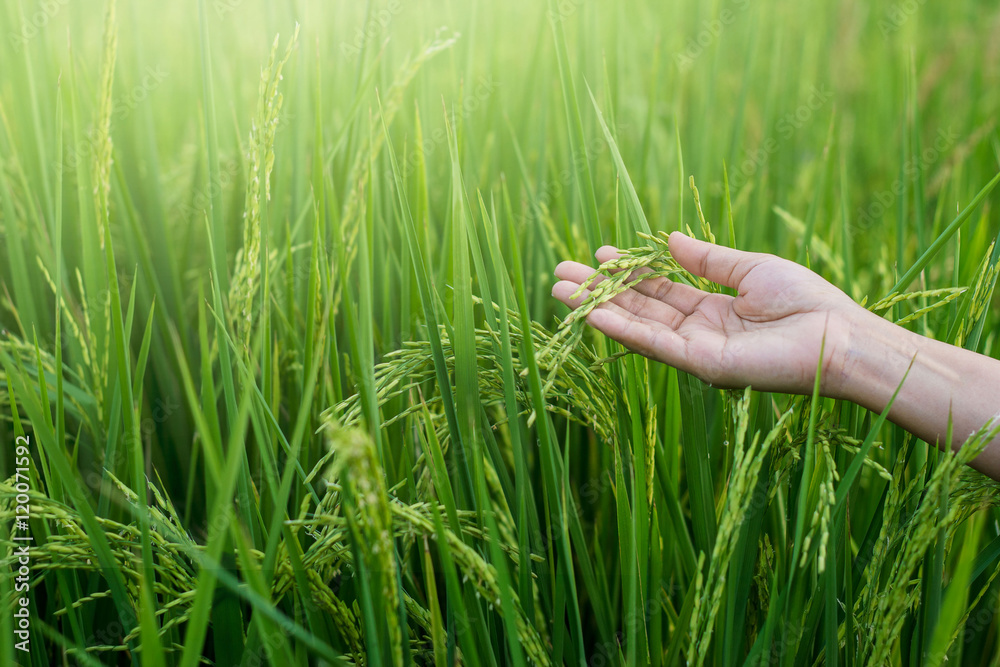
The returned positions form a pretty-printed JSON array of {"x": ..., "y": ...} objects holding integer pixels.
[
  {"x": 943, "y": 377},
  {"x": 770, "y": 335}
]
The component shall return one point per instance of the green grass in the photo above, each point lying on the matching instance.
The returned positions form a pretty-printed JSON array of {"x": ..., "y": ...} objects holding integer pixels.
[{"x": 274, "y": 292}]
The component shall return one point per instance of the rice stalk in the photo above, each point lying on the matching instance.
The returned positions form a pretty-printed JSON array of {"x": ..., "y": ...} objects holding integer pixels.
[
  {"x": 260, "y": 158},
  {"x": 946, "y": 294},
  {"x": 356, "y": 467},
  {"x": 903, "y": 543},
  {"x": 579, "y": 384},
  {"x": 620, "y": 274},
  {"x": 747, "y": 462},
  {"x": 982, "y": 295},
  {"x": 102, "y": 128}
]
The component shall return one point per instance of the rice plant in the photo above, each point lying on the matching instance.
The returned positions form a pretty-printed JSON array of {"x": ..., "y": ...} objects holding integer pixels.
[{"x": 281, "y": 379}]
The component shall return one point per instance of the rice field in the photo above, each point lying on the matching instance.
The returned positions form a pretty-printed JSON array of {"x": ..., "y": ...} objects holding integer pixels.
[{"x": 282, "y": 380}]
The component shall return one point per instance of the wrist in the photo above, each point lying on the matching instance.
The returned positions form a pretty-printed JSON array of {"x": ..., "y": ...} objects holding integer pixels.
[{"x": 871, "y": 360}]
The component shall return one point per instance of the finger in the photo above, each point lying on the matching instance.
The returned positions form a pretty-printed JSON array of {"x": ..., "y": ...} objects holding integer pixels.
[
  {"x": 574, "y": 273},
  {"x": 564, "y": 291},
  {"x": 679, "y": 296},
  {"x": 683, "y": 298},
  {"x": 606, "y": 253},
  {"x": 609, "y": 253},
  {"x": 719, "y": 264},
  {"x": 696, "y": 355},
  {"x": 637, "y": 303},
  {"x": 640, "y": 335},
  {"x": 578, "y": 273}
]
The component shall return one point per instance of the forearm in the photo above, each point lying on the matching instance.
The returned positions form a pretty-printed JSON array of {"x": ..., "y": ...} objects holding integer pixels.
[{"x": 942, "y": 378}]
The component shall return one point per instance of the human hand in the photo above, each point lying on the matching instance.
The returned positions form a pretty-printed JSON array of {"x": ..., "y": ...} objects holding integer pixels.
[{"x": 769, "y": 336}]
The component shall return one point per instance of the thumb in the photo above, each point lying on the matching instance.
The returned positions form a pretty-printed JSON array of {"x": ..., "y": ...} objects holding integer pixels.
[{"x": 719, "y": 264}]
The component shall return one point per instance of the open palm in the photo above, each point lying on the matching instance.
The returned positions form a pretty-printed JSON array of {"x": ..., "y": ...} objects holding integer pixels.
[{"x": 769, "y": 336}]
